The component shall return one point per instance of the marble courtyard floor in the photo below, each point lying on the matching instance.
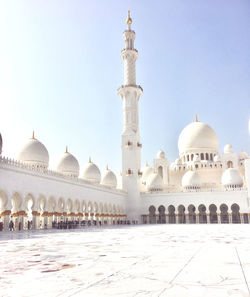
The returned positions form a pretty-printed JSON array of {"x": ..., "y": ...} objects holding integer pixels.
[{"x": 152, "y": 260}]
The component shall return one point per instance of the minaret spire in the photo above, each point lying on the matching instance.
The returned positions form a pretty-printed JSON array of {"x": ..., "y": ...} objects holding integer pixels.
[{"x": 129, "y": 21}]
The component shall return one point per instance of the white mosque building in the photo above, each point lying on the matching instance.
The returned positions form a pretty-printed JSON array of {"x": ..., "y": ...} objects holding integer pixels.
[{"x": 200, "y": 186}]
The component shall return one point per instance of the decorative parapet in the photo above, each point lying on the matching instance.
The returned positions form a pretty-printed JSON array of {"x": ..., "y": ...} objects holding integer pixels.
[{"x": 48, "y": 173}]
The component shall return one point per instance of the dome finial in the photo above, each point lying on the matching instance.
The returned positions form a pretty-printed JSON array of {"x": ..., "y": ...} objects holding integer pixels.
[
  {"x": 147, "y": 163},
  {"x": 196, "y": 118},
  {"x": 66, "y": 150},
  {"x": 129, "y": 20},
  {"x": 90, "y": 160},
  {"x": 33, "y": 135},
  {"x": 107, "y": 167}
]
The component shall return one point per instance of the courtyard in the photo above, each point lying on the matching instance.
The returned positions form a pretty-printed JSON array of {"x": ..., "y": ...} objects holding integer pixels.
[{"x": 146, "y": 260}]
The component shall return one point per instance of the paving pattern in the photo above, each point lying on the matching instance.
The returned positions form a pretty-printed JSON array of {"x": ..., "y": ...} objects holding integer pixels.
[{"x": 152, "y": 260}]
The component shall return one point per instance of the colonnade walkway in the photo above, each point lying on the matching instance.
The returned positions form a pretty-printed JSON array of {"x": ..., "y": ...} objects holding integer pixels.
[{"x": 196, "y": 215}]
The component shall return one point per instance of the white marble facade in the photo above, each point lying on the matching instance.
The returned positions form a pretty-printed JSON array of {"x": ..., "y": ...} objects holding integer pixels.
[{"x": 200, "y": 186}]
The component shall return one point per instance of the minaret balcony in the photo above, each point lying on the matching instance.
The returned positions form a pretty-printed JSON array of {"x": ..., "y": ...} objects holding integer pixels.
[
  {"x": 129, "y": 172},
  {"x": 129, "y": 50},
  {"x": 129, "y": 143},
  {"x": 139, "y": 144},
  {"x": 139, "y": 173}
]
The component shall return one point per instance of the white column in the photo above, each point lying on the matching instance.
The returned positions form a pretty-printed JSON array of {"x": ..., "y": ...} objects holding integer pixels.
[
  {"x": 208, "y": 218},
  {"x": 6, "y": 219}
]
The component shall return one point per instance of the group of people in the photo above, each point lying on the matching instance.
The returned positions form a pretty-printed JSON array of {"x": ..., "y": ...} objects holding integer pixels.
[{"x": 64, "y": 224}]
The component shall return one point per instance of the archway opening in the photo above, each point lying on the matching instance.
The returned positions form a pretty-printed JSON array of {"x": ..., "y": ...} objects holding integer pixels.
[
  {"x": 162, "y": 216},
  {"x": 160, "y": 171},
  {"x": 181, "y": 214},
  {"x": 171, "y": 214},
  {"x": 152, "y": 216},
  {"x": 235, "y": 213},
  {"x": 224, "y": 214},
  {"x": 213, "y": 214},
  {"x": 191, "y": 214},
  {"x": 202, "y": 214}
]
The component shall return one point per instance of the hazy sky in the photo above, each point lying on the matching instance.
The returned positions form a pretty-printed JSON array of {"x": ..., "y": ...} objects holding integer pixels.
[{"x": 60, "y": 68}]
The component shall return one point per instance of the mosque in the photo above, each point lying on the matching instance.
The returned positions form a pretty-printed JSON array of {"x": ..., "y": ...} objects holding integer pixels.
[{"x": 200, "y": 186}]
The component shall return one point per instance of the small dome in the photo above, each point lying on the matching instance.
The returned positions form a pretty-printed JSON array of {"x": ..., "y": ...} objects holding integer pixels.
[
  {"x": 109, "y": 179},
  {"x": 197, "y": 136},
  {"x": 154, "y": 182},
  {"x": 34, "y": 153},
  {"x": 191, "y": 180},
  {"x": 160, "y": 155},
  {"x": 91, "y": 173},
  {"x": 1, "y": 144},
  {"x": 228, "y": 149},
  {"x": 243, "y": 155},
  {"x": 68, "y": 165},
  {"x": 146, "y": 171},
  {"x": 196, "y": 158},
  {"x": 231, "y": 178},
  {"x": 178, "y": 161},
  {"x": 217, "y": 158}
]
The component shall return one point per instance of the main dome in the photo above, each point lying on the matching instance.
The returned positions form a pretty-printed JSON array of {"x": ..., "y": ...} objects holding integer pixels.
[{"x": 197, "y": 137}]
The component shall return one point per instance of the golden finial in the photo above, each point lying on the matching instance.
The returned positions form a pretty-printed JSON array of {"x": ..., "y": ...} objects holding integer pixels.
[
  {"x": 66, "y": 150},
  {"x": 33, "y": 135},
  {"x": 129, "y": 20},
  {"x": 107, "y": 167},
  {"x": 147, "y": 163},
  {"x": 90, "y": 160},
  {"x": 196, "y": 118},
  {"x": 120, "y": 173}
]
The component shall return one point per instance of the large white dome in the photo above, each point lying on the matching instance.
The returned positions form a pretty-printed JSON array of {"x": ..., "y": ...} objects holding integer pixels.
[
  {"x": 109, "y": 179},
  {"x": 231, "y": 178},
  {"x": 34, "y": 153},
  {"x": 91, "y": 173},
  {"x": 191, "y": 180},
  {"x": 68, "y": 165},
  {"x": 197, "y": 137},
  {"x": 154, "y": 182}
]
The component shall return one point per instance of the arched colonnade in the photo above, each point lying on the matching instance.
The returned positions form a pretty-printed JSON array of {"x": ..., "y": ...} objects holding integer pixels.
[
  {"x": 28, "y": 212},
  {"x": 196, "y": 215}
]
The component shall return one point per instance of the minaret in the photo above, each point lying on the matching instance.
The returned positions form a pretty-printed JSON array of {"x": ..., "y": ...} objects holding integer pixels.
[{"x": 130, "y": 94}]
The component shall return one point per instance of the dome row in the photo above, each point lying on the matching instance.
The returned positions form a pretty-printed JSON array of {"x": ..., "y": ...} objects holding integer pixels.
[
  {"x": 231, "y": 178},
  {"x": 36, "y": 154}
]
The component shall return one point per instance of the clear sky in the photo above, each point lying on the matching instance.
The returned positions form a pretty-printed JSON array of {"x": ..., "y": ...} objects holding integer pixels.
[{"x": 60, "y": 68}]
